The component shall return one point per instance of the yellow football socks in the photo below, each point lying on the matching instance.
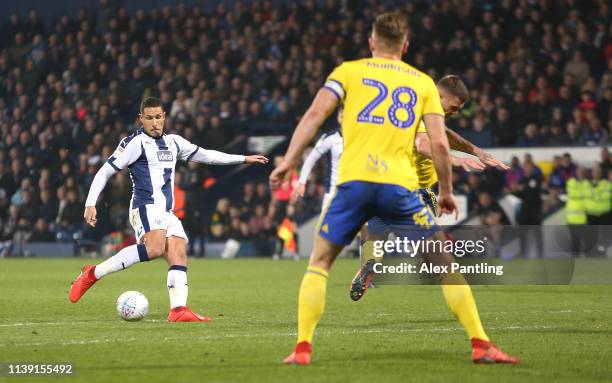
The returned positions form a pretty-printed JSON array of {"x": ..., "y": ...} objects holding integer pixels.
[
  {"x": 311, "y": 302},
  {"x": 461, "y": 302}
]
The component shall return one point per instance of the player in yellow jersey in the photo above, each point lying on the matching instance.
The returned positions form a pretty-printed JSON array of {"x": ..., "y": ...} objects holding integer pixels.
[
  {"x": 453, "y": 95},
  {"x": 384, "y": 101}
]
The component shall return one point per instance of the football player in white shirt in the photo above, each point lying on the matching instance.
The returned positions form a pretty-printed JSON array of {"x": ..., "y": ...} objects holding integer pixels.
[
  {"x": 331, "y": 144},
  {"x": 151, "y": 155}
]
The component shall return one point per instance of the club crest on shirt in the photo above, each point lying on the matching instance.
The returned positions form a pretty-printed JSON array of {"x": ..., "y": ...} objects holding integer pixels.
[{"x": 165, "y": 155}]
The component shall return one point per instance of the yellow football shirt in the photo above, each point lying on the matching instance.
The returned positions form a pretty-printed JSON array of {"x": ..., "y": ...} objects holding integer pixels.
[
  {"x": 426, "y": 172},
  {"x": 384, "y": 101}
]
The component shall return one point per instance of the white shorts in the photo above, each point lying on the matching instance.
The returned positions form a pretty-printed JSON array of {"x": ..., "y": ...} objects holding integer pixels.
[{"x": 152, "y": 217}]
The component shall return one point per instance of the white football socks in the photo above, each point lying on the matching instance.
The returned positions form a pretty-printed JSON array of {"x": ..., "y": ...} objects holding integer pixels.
[
  {"x": 177, "y": 286},
  {"x": 122, "y": 260}
]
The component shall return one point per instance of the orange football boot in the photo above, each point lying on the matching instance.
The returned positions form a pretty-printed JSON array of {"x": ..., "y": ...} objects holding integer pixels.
[
  {"x": 301, "y": 354},
  {"x": 485, "y": 352},
  {"x": 184, "y": 314},
  {"x": 83, "y": 282}
]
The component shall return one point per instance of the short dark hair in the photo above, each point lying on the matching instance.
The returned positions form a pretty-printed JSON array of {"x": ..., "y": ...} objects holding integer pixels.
[
  {"x": 391, "y": 29},
  {"x": 455, "y": 86},
  {"x": 150, "y": 102}
]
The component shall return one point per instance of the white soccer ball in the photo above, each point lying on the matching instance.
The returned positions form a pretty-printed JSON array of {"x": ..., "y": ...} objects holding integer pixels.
[{"x": 132, "y": 306}]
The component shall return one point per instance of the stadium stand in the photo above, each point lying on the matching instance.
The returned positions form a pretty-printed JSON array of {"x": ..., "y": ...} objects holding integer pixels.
[{"x": 70, "y": 89}]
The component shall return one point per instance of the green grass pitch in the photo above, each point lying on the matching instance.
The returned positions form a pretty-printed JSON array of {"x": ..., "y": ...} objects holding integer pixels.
[{"x": 396, "y": 333}]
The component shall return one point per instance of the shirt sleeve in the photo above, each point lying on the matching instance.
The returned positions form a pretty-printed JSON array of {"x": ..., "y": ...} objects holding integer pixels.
[
  {"x": 127, "y": 153},
  {"x": 322, "y": 146},
  {"x": 214, "y": 157},
  {"x": 186, "y": 150},
  {"x": 431, "y": 103},
  {"x": 98, "y": 183},
  {"x": 337, "y": 82}
]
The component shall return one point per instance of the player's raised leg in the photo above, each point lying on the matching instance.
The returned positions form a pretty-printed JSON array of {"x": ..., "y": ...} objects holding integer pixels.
[
  {"x": 375, "y": 230},
  {"x": 152, "y": 246},
  {"x": 177, "y": 282}
]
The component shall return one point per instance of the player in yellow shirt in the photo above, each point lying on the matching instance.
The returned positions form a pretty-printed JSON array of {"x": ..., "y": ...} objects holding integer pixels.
[
  {"x": 384, "y": 101},
  {"x": 453, "y": 95}
]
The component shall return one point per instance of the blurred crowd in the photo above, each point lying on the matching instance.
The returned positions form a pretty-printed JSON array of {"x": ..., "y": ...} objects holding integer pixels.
[
  {"x": 539, "y": 72},
  {"x": 540, "y": 190}
]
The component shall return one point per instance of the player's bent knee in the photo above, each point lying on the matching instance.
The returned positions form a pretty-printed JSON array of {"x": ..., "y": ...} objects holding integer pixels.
[
  {"x": 155, "y": 251},
  {"x": 155, "y": 243},
  {"x": 324, "y": 253}
]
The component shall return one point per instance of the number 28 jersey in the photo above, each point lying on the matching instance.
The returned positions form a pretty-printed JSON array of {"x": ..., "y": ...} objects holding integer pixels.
[{"x": 384, "y": 101}]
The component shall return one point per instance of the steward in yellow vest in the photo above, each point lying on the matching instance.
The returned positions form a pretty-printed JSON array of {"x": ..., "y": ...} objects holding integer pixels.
[
  {"x": 574, "y": 207},
  {"x": 598, "y": 197}
]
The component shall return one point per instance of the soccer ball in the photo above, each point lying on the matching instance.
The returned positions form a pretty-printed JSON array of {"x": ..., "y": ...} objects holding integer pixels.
[{"x": 132, "y": 306}]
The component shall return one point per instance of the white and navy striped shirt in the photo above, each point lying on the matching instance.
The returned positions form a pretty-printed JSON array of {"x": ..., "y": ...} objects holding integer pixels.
[
  {"x": 151, "y": 163},
  {"x": 331, "y": 144}
]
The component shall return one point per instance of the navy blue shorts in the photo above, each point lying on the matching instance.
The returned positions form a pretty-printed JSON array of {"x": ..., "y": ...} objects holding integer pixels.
[
  {"x": 377, "y": 227},
  {"x": 356, "y": 202}
]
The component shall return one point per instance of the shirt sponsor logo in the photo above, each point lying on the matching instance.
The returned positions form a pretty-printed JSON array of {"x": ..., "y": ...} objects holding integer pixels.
[
  {"x": 376, "y": 164},
  {"x": 165, "y": 155}
]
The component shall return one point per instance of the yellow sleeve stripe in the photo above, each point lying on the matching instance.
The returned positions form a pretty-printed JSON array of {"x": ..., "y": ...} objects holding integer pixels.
[{"x": 336, "y": 87}]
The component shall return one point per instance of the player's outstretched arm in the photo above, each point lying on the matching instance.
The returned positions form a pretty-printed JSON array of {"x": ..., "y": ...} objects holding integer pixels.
[
  {"x": 322, "y": 147},
  {"x": 97, "y": 185},
  {"x": 214, "y": 157},
  {"x": 322, "y": 106},
  {"x": 423, "y": 146},
  {"x": 192, "y": 152},
  {"x": 442, "y": 163},
  {"x": 459, "y": 143}
]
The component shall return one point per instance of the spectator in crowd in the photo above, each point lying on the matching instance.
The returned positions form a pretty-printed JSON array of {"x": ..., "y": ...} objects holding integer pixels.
[
  {"x": 247, "y": 206},
  {"x": 530, "y": 213},
  {"x": 257, "y": 223},
  {"x": 21, "y": 236},
  {"x": 262, "y": 196},
  {"x": 9, "y": 228},
  {"x": 557, "y": 179},
  {"x": 489, "y": 211},
  {"x": 70, "y": 217},
  {"x": 41, "y": 232},
  {"x": 514, "y": 174},
  {"x": 594, "y": 135},
  {"x": 220, "y": 221},
  {"x": 553, "y": 202}
]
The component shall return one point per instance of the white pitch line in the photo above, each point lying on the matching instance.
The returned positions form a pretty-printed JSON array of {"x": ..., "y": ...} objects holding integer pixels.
[
  {"x": 18, "y": 324},
  {"x": 325, "y": 332},
  {"x": 33, "y": 324}
]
